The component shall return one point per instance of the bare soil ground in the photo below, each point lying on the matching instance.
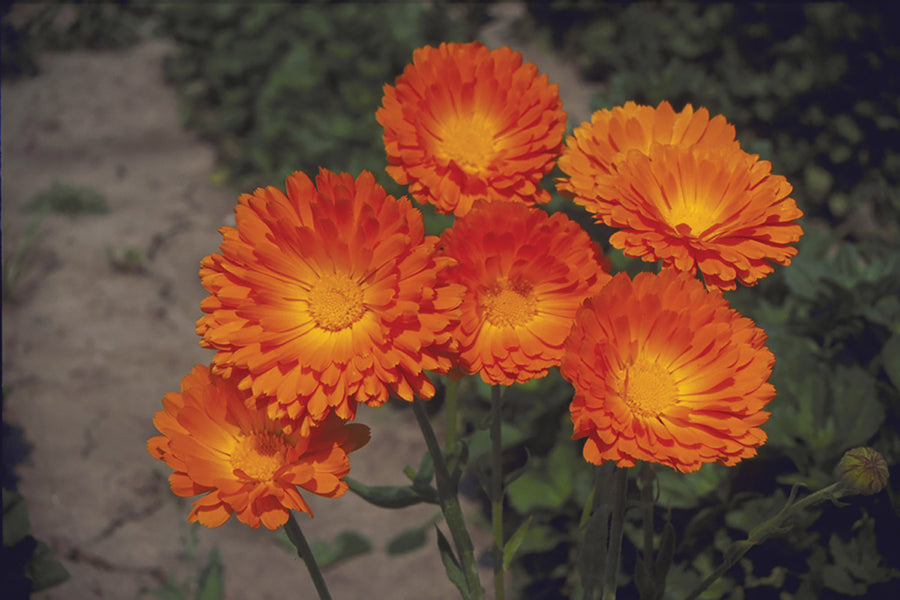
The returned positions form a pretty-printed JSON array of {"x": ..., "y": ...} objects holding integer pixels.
[{"x": 89, "y": 350}]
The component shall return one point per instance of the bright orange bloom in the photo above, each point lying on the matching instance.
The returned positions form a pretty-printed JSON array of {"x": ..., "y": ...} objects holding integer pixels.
[
  {"x": 682, "y": 191},
  {"x": 242, "y": 461},
  {"x": 666, "y": 372},
  {"x": 594, "y": 149},
  {"x": 720, "y": 211},
  {"x": 323, "y": 298},
  {"x": 525, "y": 274},
  {"x": 464, "y": 122}
]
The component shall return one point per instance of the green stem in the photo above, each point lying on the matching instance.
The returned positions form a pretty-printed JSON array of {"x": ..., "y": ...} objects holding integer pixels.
[
  {"x": 769, "y": 528},
  {"x": 450, "y": 401},
  {"x": 450, "y": 504},
  {"x": 616, "y": 529},
  {"x": 646, "y": 478},
  {"x": 497, "y": 488},
  {"x": 303, "y": 551},
  {"x": 594, "y": 533}
]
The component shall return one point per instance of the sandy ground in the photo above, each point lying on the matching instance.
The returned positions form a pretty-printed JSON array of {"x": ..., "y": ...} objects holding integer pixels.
[{"x": 89, "y": 350}]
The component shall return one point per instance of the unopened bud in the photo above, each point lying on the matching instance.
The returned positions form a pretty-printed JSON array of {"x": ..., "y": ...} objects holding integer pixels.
[{"x": 864, "y": 470}]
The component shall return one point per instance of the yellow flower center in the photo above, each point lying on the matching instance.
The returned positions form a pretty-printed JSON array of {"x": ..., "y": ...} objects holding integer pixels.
[
  {"x": 336, "y": 302},
  {"x": 468, "y": 142},
  {"x": 259, "y": 455},
  {"x": 648, "y": 388},
  {"x": 692, "y": 213},
  {"x": 509, "y": 304}
]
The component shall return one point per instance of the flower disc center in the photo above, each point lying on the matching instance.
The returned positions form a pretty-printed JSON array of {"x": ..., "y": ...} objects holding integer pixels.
[
  {"x": 692, "y": 215},
  {"x": 468, "y": 142},
  {"x": 509, "y": 305},
  {"x": 336, "y": 302},
  {"x": 259, "y": 455},
  {"x": 648, "y": 388}
]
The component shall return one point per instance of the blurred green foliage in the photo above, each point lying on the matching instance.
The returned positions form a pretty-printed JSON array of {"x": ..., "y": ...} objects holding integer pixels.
[
  {"x": 812, "y": 87},
  {"x": 280, "y": 88},
  {"x": 29, "y": 29}
]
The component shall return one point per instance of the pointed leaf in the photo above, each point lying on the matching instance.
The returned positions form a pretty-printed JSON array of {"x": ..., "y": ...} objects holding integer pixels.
[
  {"x": 392, "y": 496},
  {"x": 407, "y": 541},
  {"x": 212, "y": 586},
  {"x": 44, "y": 569},
  {"x": 451, "y": 565},
  {"x": 644, "y": 580},
  {"x": 346, "y": 545},
  {"x": 664, "y": 556},
  {"x": 513, "y": 543}
]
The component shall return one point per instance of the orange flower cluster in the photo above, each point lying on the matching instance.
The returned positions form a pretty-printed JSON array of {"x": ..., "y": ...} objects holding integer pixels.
[
  {"x": 329, "y": 294},
  {"x": 463, "y": 122},
  {"x": 681, "y": 190}
]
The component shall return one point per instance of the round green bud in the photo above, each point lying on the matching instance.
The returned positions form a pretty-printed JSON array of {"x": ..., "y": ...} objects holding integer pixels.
[{"x": 864, "y": 470}]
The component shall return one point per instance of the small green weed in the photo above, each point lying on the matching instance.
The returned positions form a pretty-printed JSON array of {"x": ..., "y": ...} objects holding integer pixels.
[
  {"x": 69, "y": 200},
  {"x": 193, "y": 580}
]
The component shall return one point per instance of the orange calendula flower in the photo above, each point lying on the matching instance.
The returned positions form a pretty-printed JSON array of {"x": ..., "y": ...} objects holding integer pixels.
[
  {"x": 323, "y": 298},
  {"x": 682, "y": 191},
  {"x": 721, "y": 211},
  {"x": 242, "y": 461},
  {"x": 594, "y": 149},
  {"x": 464, "y": 122},
  {"x": 666, "y": 372},
  {"x": 525, "y": 274}
]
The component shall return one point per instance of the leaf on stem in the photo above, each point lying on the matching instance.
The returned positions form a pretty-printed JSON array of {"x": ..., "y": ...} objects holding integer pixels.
[
  {"x": 346, "y": 545},
  {"x": 451, "y": 565},
  {"x": 212, "y": 586},
  {"x": 513, "y": 543},
  {"x": 392, "y": 496}
]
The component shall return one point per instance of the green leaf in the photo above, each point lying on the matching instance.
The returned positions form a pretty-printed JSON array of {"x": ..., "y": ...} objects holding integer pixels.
[
  {"x": 43, "y": 568},
  {"x": 211, "y": 585},
  {"x": 856, "y": 407},
  {"x": 407, "y": 541},
  {"x": 451, "y": 565},
  {"x": 480, "y": 443},
  {"x": 890, "y": 354},
  {"x": 392, "y": 496},
  {"x": 549, "y": 487},
  {"x": 513, "y": 543},
  {"x": 15, "y": 518},
  {"x": 346, "y": 545},
  {"x": 644, "y": 580},
  {"x": 680, "y": 490},
  {"x": 664, "y": 556}
]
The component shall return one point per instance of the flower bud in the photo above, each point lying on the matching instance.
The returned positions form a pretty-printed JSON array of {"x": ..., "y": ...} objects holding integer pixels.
[{"x": 864, "y": 470}]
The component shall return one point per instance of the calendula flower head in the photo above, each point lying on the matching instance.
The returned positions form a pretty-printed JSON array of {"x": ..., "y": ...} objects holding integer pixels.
[
  {"x": 681, "y": 190},
  {"x": 242, "y": 461},
  {"x": 666, "y": 372},
  {"x": 463, "y": 122},
  {"x": 525, "y": 274},
  {"x": 594, "y": 149},
  {"x": 328, "y": 296}
]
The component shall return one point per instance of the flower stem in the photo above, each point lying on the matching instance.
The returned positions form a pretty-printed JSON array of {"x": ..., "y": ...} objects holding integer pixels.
[
  {"x": 303, "y": 551},
  {"x": 616, "y": 529},
  {"x": 450, "y": 504},
  {"x": 497, "y": 488},
  {"x": 450, "y": 401},
  {"x": 769, "y": 528}
]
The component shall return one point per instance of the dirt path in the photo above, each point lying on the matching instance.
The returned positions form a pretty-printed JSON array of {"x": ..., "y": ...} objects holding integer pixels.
[{"x": 89, "y": 351}]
